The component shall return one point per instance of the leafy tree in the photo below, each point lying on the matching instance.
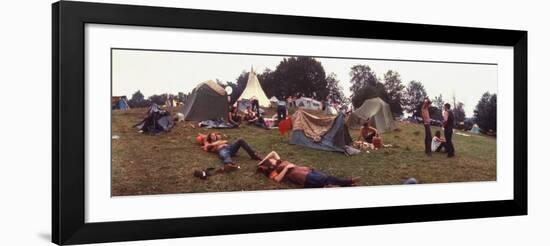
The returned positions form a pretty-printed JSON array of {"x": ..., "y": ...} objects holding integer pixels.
[
  {"x": 394, "y": 90},
  {"x": 362, "y": 76},
  {"x": 138, "y": 100},
  {"x": 414, "y": 96},
  {"x": 137, "y": 96},
  {"x": 439, "y": 103},
  {"x": 158, "y": 99},
  {"x": 335, "y": 90},
  {"x": 485, "y": 114},
  {"x": 459, "y": 113},
  {"x": 369, "y": 92},
  {"x": 303, "y": 76}
]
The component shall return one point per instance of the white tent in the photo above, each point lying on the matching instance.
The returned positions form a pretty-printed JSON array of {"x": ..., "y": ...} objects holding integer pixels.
[
  {"x": 254, "y": 90},
  {"x": 308, "y": 103}
]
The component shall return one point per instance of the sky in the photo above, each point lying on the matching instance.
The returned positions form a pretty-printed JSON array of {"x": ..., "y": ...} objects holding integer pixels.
[{"x": 159, "y": 72}]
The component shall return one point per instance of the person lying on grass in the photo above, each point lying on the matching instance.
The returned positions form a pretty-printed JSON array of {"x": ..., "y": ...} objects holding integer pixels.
[
  {"x": 438, "y": 143},
  {"x": 215, "y": 143},
  {"x": 273, "y": 167}
]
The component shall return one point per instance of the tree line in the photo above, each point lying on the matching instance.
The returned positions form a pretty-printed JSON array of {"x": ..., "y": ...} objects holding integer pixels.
[{"x": 306, "y": 76}]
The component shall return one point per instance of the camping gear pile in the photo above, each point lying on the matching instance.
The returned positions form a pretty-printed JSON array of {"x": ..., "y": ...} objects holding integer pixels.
[
  {"x": 157, "y": 120},
  {"x": 208, "y": 101},
  {"x": 216, "y": 124},
  {"x": 377, "y": 112},
  {"x": 322, "y": 133}
]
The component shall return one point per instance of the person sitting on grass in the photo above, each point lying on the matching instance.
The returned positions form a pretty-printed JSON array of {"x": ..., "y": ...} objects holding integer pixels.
[
  {"x": 368, "y": 132},
  {"x": 273, "y": 167},
  {"x": 234, "y": 118},
  {"x": 438, "y": 143},
  {"x": 214, "y": 143},
  {"x": 253, "y": 118}
]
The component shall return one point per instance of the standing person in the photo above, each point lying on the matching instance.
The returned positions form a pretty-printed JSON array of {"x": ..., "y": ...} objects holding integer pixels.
[
  {"x": 281, "y": 110},
  {"x": 255, "y": 105},
  {"x": 425, "y": 109},
  {"x": 448, "y": 124}
]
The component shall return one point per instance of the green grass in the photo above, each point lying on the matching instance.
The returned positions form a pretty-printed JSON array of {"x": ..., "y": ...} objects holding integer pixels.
[{"x": 164, "y": 163}]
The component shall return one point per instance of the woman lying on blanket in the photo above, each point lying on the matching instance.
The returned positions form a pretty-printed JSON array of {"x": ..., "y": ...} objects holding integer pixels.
[
  {"x": 215, "y": 143},
  {"x": 273, "y": 167}
]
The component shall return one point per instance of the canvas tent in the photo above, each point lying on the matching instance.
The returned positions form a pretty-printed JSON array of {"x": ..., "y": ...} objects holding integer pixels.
[
  {"x": 322, "y": 133},
  {"x": 120, "y": 103},
  {"x": 308, "y": 103},
  {"x": 377, "y": 112},
  {"x": 208, "y": 101},
  {"x": 475, "y": 129},
  {"x": 253, "y": 89},
  {"x": 157, "y": 120}
]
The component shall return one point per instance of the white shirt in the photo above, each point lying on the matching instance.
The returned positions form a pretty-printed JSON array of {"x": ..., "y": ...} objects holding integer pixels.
[{"x": 435, "y": 143}]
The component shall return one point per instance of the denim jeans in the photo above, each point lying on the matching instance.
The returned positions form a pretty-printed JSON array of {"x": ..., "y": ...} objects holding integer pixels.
[
  {"x": 315, "y": 179},
  {"x": 231, "y": 150}
]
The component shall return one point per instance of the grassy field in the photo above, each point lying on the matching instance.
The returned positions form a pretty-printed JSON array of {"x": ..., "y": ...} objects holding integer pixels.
[{"x": 164, "y": 163}]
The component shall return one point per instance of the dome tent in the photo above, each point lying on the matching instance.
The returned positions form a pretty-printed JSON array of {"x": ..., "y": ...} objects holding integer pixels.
[
  {"x": 208, "y": 101},
  {"x": 377, "y": 112}
]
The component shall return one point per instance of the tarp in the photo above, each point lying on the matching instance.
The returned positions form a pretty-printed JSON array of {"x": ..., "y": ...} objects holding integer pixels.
[
  {"x": 377, "y": 112},
  {"x": 216, "y": 124},
  {"x": 208, "y": 101},
  {"x": 253, "y": 89},
  {"x": 157, "y": 120},
  {"x": 335, "y": 138},
  {"x": 313, "y": 127}
]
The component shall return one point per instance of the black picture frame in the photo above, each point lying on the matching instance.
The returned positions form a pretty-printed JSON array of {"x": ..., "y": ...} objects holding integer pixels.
[{"x": 68, "y": 107}]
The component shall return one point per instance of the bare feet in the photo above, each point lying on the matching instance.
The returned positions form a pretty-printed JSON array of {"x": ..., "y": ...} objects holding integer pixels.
[{"x": 355, "y": 180}]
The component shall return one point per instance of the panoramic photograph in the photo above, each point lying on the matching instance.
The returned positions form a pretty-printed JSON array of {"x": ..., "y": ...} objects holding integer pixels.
[{"x": 195, "y": 122}]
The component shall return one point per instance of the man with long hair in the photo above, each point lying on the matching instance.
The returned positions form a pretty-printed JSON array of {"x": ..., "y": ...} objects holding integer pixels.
[{"x": 277, "y": 169}]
